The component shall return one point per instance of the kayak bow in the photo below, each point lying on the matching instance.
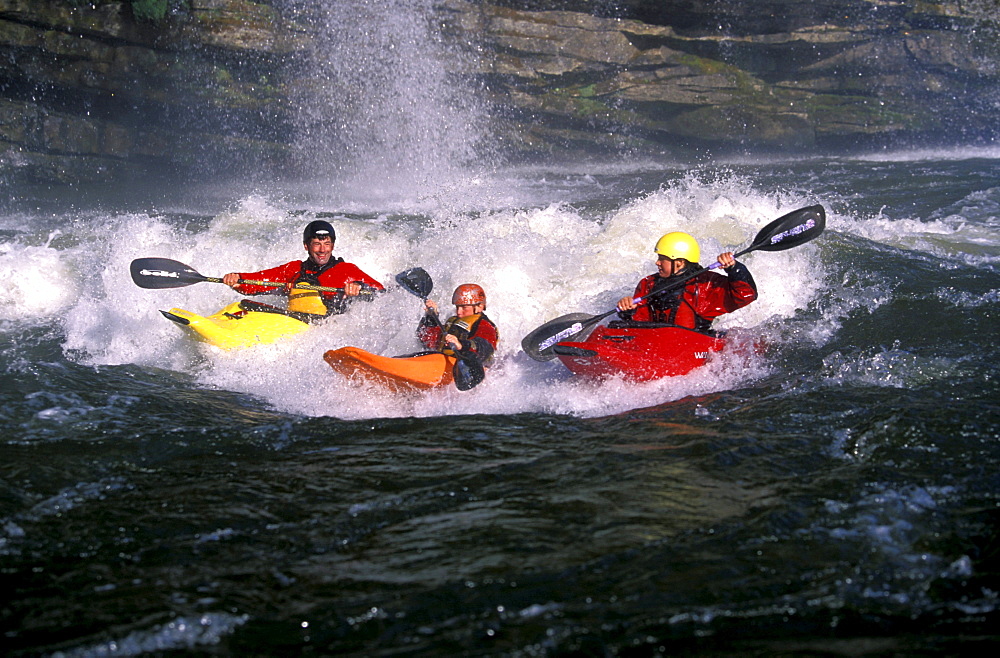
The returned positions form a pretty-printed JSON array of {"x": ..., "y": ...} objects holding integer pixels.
[
  {"x": 397, "y": 374},
  {"x": 234, "y": 327}
]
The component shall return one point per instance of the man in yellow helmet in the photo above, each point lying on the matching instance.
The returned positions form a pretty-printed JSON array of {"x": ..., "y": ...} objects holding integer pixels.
[{"x": 700, "y": 299}]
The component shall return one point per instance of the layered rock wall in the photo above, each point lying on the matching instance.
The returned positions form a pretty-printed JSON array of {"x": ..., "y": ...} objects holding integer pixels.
[{"x": 746, "y": 76}]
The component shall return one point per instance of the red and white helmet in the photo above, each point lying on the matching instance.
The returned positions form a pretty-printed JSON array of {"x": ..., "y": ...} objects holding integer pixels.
[{"x": 468, "y": 294}]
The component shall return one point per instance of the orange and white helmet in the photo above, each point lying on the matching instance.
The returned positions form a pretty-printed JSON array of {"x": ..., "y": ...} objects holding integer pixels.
[{"x": 469, "y": 294}]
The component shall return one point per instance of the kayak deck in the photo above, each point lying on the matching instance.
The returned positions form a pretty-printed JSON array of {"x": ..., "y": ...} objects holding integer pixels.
[
  {"x": 234, "y": 327},
  {"x": 638, "y": 351},
  {"x": 397, "y": 374}
]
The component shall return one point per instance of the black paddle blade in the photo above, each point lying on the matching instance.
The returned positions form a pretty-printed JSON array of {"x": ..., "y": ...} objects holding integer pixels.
[
  {"x": 158, "y": 273},
  {"x": 791, "y": 230},
  {"x": 468, "y": 373},
  {"x": 539, "y": 343},
  {"x": 416, "y": 281}
]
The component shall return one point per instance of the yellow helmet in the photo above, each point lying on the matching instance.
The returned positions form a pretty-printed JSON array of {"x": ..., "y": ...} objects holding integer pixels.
[{"x": 678, "y": 245}]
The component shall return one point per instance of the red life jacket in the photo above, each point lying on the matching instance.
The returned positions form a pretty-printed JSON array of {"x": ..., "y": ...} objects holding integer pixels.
[
  {"x": 477, "y": 333},
  {"x": 701, "y": 300}
]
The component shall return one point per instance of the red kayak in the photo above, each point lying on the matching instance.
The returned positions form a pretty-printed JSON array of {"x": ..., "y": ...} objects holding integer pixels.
[{"x": 639, "y": 351}]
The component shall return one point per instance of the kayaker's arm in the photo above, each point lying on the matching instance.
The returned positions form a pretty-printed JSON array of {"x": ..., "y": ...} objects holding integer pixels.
[
  {"x": 429, "y": 328},
  {"x": 627, "y": 306},
  {"x": 350, "y": 277},
  {"x": 477, "y": 347},
  {"x": 281, "y": 276},
  {"x": 738, "y": 272},
  {"x": 337, "y": 302},
  {"x": 233, "y": 281},
  {"x": 361, "y": 290},
  {"x": 430, "y": 319}
]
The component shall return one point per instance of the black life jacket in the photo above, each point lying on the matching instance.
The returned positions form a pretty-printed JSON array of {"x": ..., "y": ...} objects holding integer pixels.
[
  {"x": 664, "y": 305},
  {"x": 310, "y": 271}
]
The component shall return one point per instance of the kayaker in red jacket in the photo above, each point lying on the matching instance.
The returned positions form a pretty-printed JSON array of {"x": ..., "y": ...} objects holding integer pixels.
[
  {"x": 699, "y": 301},
  {"x": 467, "y": 333},
  {"x": 320, "y": 268}
]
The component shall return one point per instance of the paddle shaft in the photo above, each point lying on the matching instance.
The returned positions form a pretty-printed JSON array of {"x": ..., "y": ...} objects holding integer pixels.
[
  {"x": 272, "y": 284},
  {"x": 680, "y": 282}
]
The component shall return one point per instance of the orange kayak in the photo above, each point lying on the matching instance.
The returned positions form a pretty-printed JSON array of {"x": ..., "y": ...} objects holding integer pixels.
[{"x": 397, "y": 374}]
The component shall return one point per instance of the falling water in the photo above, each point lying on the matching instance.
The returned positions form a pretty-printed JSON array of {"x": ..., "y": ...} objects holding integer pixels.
[{"x": 384, "y": 101}]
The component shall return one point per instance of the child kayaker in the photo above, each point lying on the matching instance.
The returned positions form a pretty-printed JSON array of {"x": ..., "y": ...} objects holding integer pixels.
[
  {"x": 697, "y": 302},
  {"x": 468, "y": 333},
  {"x": 320, "y": 269}
]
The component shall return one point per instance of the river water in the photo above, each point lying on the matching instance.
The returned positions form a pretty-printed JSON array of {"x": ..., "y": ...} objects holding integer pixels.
[{"x": 837, "y": 493}]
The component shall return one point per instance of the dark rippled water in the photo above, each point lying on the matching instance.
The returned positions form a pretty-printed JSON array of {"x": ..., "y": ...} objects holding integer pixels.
[{"x": 839, "y": 495}]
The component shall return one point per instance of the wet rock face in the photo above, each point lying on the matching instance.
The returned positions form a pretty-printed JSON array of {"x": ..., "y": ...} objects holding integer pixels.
[
  {"x": 90, "y": 92},
  {"x": 767, "y": 75}
]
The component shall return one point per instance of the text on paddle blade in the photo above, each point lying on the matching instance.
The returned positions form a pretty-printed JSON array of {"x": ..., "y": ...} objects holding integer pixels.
[
  {"x": 175, "y": 275},
  {"x": 795, "y": 230},
  {"x": 552, "y": 340}
]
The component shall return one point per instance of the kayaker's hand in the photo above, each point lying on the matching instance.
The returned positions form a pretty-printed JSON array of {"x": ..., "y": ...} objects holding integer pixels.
[
  {"x": 431, "y": 306},
  {"x": 453, "y": 341},
  {"x": 626, "y": 304},
  {"x": 726, "y": 260},
  {"x": 352, "y": 288},
  {"x": 231, "y": 279}
]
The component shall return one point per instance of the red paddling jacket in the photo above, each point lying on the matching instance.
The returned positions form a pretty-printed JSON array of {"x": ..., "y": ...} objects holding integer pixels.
[
  {"x": 335, "y": 274},
  {"x": 698, "y": 302},
  {"x": 477, "y": 334}
]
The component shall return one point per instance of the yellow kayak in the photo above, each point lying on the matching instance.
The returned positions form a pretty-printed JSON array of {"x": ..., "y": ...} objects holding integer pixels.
[
  {"x": 397, "y": 374},
  {"x": 235, "y": 326}
]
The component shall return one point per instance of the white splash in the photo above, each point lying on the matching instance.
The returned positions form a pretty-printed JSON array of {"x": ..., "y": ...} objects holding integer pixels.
[
  {"x": 37, "y": 281},
  {"x": 536, "y": 263}
]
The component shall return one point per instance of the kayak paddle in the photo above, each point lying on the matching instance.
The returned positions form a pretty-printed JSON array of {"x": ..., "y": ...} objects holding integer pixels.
[
  {"x": 468, "y": 372},
  {"x": 416, "y": 281},
  {"x": 160, "y": 273},
  {"x": 791, "y": 230}
]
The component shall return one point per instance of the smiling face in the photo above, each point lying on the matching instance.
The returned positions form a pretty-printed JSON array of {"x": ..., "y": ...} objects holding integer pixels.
[
  {"x": 320, "y": 250},
  {"x": 670, "y": 266}
]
